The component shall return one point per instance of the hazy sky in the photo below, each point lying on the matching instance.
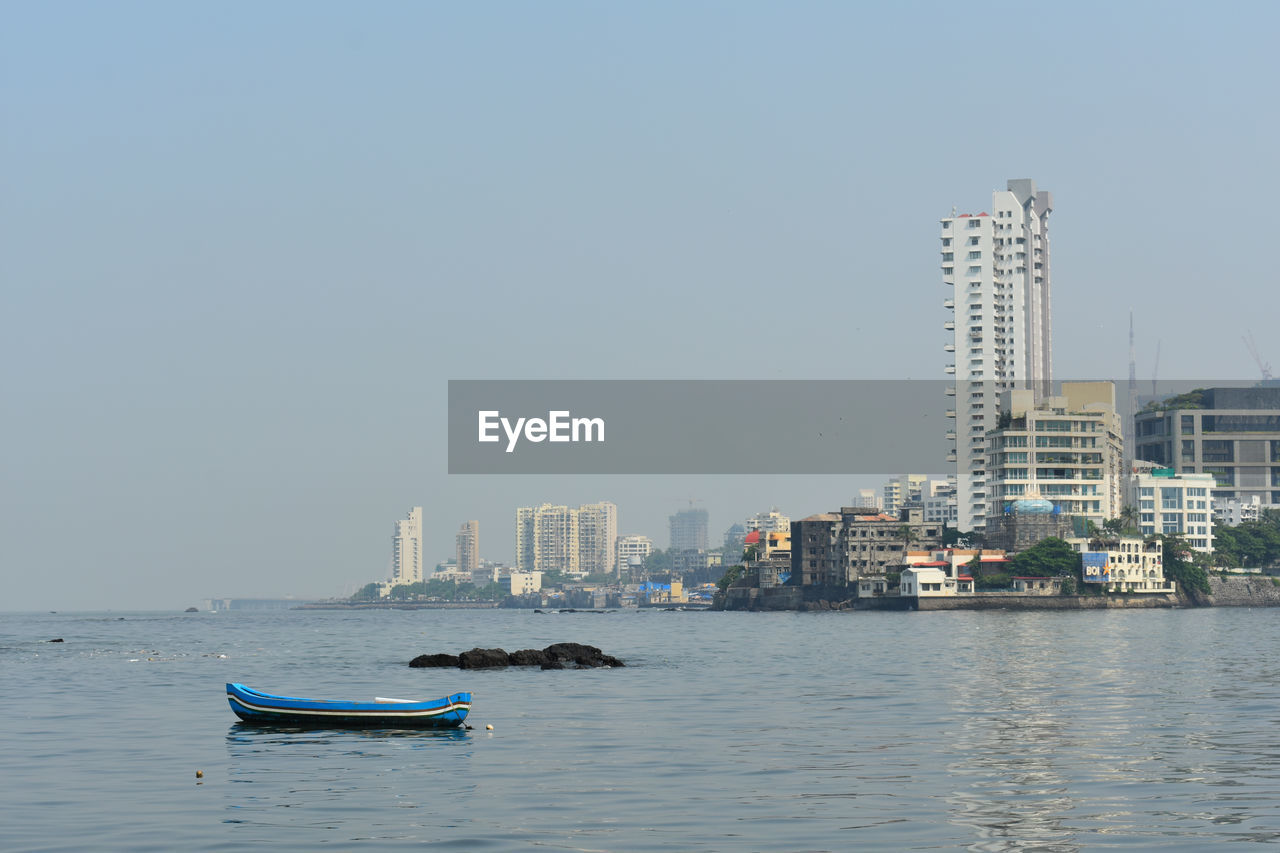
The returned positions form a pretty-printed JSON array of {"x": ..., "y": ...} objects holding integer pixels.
[{"x": 244, "y": 246}]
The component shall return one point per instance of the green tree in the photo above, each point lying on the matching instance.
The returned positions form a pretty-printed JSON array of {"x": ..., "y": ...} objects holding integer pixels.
[
  {"x": 1182, "y": 565},
  {"x": 368, "y": 592},
  {"x": 1050, "y": 557},
  {"x": 732, "y": 575},
  {"x": 1193, "y": 399},
  {"x": 1128, "y": 518}
]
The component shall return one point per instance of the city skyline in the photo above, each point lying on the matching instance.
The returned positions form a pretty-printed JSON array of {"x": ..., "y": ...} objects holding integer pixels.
[{"x": 246, "y": 254}]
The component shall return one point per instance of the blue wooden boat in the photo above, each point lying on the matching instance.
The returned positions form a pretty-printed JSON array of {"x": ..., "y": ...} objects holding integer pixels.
[{"x": 254, "y": 706}]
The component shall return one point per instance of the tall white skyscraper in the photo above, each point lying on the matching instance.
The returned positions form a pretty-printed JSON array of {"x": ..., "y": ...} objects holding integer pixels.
[
  {"x": 406, "y": 549},
  {"x": 997, "y": 266}
]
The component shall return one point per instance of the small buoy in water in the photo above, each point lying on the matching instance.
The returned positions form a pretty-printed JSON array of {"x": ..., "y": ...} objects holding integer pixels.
[
  {"x": 489, "y": 727},
  {"x": 199, "y": 774}
]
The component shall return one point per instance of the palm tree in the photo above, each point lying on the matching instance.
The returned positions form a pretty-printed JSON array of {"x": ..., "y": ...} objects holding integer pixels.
[{"x": 1129, "y": 517}]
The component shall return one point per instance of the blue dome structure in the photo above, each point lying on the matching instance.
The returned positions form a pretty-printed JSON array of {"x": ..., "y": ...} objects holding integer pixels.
[{"x": 1032, "y": 506}]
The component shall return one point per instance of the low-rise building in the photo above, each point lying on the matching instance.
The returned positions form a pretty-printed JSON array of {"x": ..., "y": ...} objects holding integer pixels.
[
  {"x": 523, "y": 583},
  {"x": 654, "y": 593},
  {"x": 1017, "y": 525},
  {"x": 632, "y": 551},
  {"x": 1037, "y": 586},
  {"x": 934, "y": 579},
  {"x": 1123, "y": 563},
  {"x": 857, "y": 542},
  {"x": 926, "y": 581},
  {"x": 959, "y": 562}
]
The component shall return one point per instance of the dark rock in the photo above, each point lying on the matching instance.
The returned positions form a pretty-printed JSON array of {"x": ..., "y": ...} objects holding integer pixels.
[
  {"x": 191, "y": 610},
  {"x": 434, "y": 660},
  {"x": 580, "y": 654},
  {"x": 57, "y": 640},
  {"x": 554, "y": 656},
  {"x": 529, "y": 657},
  {"x": 484, "y": 659}
]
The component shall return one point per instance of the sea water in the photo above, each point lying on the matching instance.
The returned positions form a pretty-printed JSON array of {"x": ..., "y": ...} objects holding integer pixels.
[{"x": 987, "y": 731}]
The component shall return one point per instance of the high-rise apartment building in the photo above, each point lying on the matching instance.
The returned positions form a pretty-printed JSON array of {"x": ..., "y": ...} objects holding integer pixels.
[
  {"x": 1067, "y": 450},
  {"x": 563, "y": 539},
  {"x": 997, "y": 267},
  {"x": 1231, "y": 433},
  {"x": 689, "y": 530},
  {"x": 406, "y": 549},
  {"x": 468, "y": 546},
  {"x": 547, "y": 539},
  {"x": 904, "y": 489},
  {"x": 597, "y": 538}
]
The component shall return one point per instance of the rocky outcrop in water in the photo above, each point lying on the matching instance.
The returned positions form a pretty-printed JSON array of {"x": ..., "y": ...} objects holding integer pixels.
[
  {"x": 555, "y": 656},
  {"x": 434, "y": 660}
]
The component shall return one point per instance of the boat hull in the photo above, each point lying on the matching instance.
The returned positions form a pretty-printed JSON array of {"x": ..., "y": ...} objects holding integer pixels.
[{"x": 254, "y": 706}]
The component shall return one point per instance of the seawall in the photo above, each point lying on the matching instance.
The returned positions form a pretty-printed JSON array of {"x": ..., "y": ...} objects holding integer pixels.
[
  {"x": 1243, "y": 591},
  {"x": 992, "y": 601},
  {"x": 1247, "y": 591}
]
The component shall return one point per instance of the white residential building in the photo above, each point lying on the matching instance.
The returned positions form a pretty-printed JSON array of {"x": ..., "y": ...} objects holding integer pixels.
[
  {"x": 406, "y": 549},
  {"x": 996, "y": 266},
  {"x": 905, "y": 488},
  {"x": 769, "y": 522},
  {"x": 869, "y": 498},
  {"x": 1232, "y": 512},
  {"x": 632, "y": 551},
  {"x": 1173, "y": 503}
]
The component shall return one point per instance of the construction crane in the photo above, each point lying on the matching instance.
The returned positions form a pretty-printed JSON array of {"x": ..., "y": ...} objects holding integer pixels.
[
  {"x": 1253, "y": 351},
  {"x": 1155, "y": 371}
]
